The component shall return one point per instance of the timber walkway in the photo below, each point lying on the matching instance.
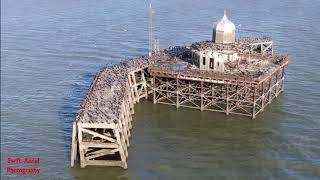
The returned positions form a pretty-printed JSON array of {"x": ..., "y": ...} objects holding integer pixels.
[{"x": 102, "y": 126}]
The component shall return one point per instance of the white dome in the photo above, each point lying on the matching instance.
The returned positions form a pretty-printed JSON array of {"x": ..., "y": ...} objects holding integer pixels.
[{"x": 225, "y": 25}]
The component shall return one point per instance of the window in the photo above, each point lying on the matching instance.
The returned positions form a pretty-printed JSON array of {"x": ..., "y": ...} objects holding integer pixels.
[
  {"x": 211, "y": 63},
  {"x": 218, "y": 64},
  {"x": 204, "y": 60}
]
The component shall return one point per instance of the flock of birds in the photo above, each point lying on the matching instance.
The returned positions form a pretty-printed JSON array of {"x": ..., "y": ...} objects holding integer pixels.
[
  {"x": 107, "y": 92},
  {"x": 241, "y": 46}
]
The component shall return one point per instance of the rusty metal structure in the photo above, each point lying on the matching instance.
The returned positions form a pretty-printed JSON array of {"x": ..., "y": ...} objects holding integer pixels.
[
  {"x": 228, "y": 92},
  {"x": 216, "y": 92}
]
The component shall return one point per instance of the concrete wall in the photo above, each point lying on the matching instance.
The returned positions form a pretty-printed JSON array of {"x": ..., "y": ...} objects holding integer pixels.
[{"x": 202, "y": 59}]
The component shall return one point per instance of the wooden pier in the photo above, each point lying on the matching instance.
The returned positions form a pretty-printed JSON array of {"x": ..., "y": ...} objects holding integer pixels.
[
  {"x": 224, "y": 74},
  {"x": 102, "y": 129}
]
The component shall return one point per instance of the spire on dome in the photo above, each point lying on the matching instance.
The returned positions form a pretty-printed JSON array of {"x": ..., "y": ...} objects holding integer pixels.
[{"x": 226, "y": 29}]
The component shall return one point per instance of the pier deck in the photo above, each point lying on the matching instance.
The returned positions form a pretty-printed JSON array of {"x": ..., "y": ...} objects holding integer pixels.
[{"x": 102, "y": 127}]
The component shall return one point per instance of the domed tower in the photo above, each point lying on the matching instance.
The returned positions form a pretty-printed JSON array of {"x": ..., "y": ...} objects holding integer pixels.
[{"x": 224, "y": 31}]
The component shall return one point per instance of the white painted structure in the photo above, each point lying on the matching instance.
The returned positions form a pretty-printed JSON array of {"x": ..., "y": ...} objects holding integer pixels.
[
  {"x": 208, "y": 59},
  {"x": 213, "y": 60},
  {"x": 224, "y": 31}
]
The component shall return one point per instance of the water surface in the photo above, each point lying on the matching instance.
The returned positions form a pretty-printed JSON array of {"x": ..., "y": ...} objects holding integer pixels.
[{"x": 50, "y": 51}]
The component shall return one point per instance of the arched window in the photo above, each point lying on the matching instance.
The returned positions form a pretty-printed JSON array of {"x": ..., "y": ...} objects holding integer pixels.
[{"x": 204, "y": 60}]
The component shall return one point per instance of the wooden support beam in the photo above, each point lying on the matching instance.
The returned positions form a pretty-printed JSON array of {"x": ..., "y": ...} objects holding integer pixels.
[
  {"x": 254, "y": 103},
  {"x": 125, "y": 128},
  {"x": 177, "y": 93},
  {"x": 154, "y": 90},
  {"x": 106, "y": 163},
  {"x": 99, "y": 145},
  {"x": 262, "y": 96},
  {"x": 97, "y": 125},
  {"x": 202, "y": 96},
  {"x": 270, "y": 93},
  {"x": 81, "y": 147},
  {"x": 100, "y": 153},
  {"x": 227, "y": 99},
  {"x": 144, "y": 84},
  {"x": 123, "y": 134},
  {"x": 74, "y": 144},
  {"x": 121, "y": 151},
  {"x": 277, "y": 87},
  {"x": 282, "y": 76},
  {"x": 135, "y": 88},
  {"x": 98, "y": 135}
]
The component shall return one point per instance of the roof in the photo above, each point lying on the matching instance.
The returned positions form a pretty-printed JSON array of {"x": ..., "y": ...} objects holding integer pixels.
[
  {"x": 225, "y": 25},
  {"x": 240, "y": 46}
]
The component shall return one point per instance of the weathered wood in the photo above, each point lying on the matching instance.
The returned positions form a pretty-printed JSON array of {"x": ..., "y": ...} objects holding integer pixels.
[
  {"x": 144, "y": 84},
  {"x": 254, "y": 104},
  {"x": 99, "y": 145},
  {"x": 99, "y": 153},
  {"x": 74, "y": 144},
  {"x": 134, "y": 84},
  {"x": 98, "y": 125},
  {"x": 202, "y": 96},
  {"x": 106, "y": 163},
  {"x": 121, "y": 151},
  {"x": 227, "y": 99},
  {"x": 125, "y": 128},
  {"x": 154, "y": 90},
  {"x": 123, "y": 136},
  {"x": 81, "y": 147},
  {"x": 98, "y": 135}
]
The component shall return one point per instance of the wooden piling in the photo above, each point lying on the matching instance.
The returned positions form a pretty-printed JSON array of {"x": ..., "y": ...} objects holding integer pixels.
[{"x": 74, "y": 144}]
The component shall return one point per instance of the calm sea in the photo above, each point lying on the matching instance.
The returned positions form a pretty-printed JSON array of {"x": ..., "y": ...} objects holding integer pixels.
[{"x": 50, "y": 51}]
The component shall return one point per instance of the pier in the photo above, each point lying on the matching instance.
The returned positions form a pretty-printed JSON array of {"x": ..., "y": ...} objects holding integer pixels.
[
  {"x": 101, "y": 131},
  {"x": 225, "y": 75}
]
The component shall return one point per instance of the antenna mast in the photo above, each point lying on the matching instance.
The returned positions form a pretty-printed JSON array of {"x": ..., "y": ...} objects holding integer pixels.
[{"x": 151, "y": 41}]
